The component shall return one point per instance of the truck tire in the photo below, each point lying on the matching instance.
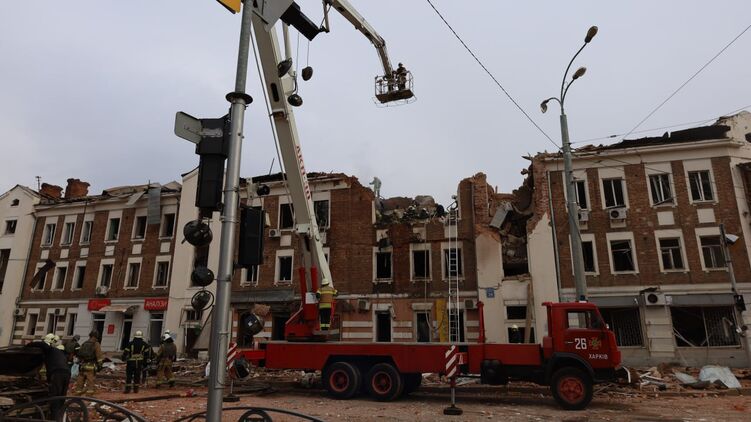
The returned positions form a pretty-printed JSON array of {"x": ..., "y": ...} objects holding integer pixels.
[
  {"x": 572, "y": 388},
  {"x": 341, "y": 380},
  {"x": 385, "y": 383},
  {"x": 412, "y": 382}
]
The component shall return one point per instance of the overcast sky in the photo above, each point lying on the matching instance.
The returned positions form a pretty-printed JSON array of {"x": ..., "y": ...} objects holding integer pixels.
[{"x": 89, "y": 89}]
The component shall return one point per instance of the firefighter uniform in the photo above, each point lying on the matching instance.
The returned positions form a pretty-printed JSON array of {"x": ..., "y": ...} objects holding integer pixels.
[
  {"x": 134, "y": 354},
  {"x": 91, "y": 358},
  {"x": 57, "y": 374},
  {"x": 165, "y": 356},
  {"x": 325, "y": 297}
]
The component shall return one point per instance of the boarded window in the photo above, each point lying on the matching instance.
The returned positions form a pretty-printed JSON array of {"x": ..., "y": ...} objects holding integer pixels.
[
  {"x": 704, "y": 326},
  {"x": 625, "y": 324}
]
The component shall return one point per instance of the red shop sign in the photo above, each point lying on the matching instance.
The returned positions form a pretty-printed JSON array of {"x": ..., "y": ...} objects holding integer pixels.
[
  {"x": 155, "y": 304},
  {"x": 97, "y": 304}
]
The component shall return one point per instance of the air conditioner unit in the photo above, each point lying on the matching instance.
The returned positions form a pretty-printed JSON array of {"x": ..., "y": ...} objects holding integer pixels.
[
  {"x": 617, "y": 213},
  {"x": 470, "y": 304},
  {"x": 583, "y": 216},
  {"x": 102, "y": 290},
  {"x": 363, "y": 305},
  {"x": 653, "y": 299},
  {"x": 275, "y": 233},
  {"x": 19, "y": 312}
]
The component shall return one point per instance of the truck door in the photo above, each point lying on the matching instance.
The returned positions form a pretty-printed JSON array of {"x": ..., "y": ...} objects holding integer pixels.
[{"x": 585, "y": 335}]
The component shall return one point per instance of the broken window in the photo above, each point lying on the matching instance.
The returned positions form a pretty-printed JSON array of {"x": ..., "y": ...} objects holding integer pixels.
[
  {"x": 4, "y": 261},
  {"x": 251, "y": 276},
  {"x": 452, "y": 263},
  {"x": 588, "y": 256},
  {"x": 168, "y": 225},
  {"x": 42, "y": 278},
  {"x": 670, "y": 254},
  {"x": 10, "y": 226},
  {"x": 106, "y": 279},
  {"x": 623, "y": 259},
  {"x": 162, "y": 274},
  {"x": 140, "y": 230},
  {"x": 68, "y": 233},
  {"x": 60, "y": 278},
  {"x": 70, "y": 324},
  {"x": 49, "y": 234},
  {"x": 423, "y": 325},
  {"x": 383, "y": 265},
  {"x": 51, "y": 323},
  {"x": 322, "y": 213},
  {"x": 286, "y": 218},
  {"x": 420, "y": 264},
  {"x": 516, "y": 312},
  {"x": 383, "y": 326},
  {"x": 31, "y": 326},
  {"x": 14, "y": 203},
  {"x": 659, "y": 185},
  {"x": 284, "y": 268},
  {"x": 86, "y": 231},
  {"x": 113, "y": 229},
  {"x": 701, "y": 186},
  {"x": 711, "y": 252},
  {"x": 134, "y": 273},
  {"x": 580, "y": 186},
  {"x": 613, "y": 192},
  {"x": 625, "y": 324},
  {"x": 704, "y": 326},
  {"x": 80, "y": 275}
]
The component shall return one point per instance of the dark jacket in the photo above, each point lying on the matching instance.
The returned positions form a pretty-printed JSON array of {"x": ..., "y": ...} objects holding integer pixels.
[
  {"x": 136, "y": 350},
  {"x": 54, "y": 359}
]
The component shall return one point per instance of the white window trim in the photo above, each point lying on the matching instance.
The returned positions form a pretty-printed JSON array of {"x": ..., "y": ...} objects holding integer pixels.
[
  {"x": 109, "y": 227},
  {"x": 381, "y": 307},
  {"x": 671, "y": 234},
  {"x": 159, "y": 259},
  {"x": 102, "y": 263},
  {"x": 376, "y": 250},
  {"x": 5, "y": 226},
  {"x": 703, "y": 232},
  {"x": 623, "y": 186},
  {"x": 616, "y": 172},
  {"x": 283, "y": 253},
  {"x": 47, "y": 222},
  {"x": 46, "y": 279},
  {"x": 86, "y": 219},
  {"x": 284, "y": 200},
  {"x": 579, "y": 176},
  {"x": 323, "y": 196},
  {"x": 56, "y": 273},
  {"x": 420, "y": 247},
  {"x": 622, "y": 236},
  {"x": 127, "y": 273},
  {"x": 65, "y": 233},
  {"x": 141, "y": 212},
  {"x": 244, "y": 274},
  {"x": 690, "y": 166},
  {"x": 444, "y": 248},
  {"x": 75, "y": 275},
  {"x": 586, "y": 237},
  {"x": 655, "y": 169}
]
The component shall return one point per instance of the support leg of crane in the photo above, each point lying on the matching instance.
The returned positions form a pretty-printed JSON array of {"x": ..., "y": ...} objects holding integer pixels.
[
  {"x": 453, "y": 410},
  {"x": 231, "y": 397}
]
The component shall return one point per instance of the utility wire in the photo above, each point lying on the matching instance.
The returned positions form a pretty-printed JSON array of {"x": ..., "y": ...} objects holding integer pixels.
[
  {"x": 491, "y": 75},
  {"x": 687, "y": 81}
]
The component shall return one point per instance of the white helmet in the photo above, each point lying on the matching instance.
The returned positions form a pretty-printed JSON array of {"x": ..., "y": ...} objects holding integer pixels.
[
  {"x": 166, "y": 336},
  {"x": 60, "y": 346},
  {"x": 138, "y": 334},
  {"x": 49, "y": 339},
  {"x": 514, "y": 327},
  {"x": 325, "y": 282}
]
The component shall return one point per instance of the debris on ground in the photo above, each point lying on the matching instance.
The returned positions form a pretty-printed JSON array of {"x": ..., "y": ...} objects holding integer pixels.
[{"x": 721, "y": 376}]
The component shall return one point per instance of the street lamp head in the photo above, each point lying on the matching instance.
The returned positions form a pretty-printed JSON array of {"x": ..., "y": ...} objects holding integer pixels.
[
  {"x": 590, "y": 34},
  {"x": 544, "y": 106},
  {"x": 579, "y": 73}
]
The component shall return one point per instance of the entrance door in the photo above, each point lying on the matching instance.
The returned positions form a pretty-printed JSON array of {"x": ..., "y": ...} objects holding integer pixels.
[
  {"x": 125, "y": 339},
  {"x": 98, "y": 325},
  {"x": 191, "y": 336},
  {"x": 383, "y": 326}
]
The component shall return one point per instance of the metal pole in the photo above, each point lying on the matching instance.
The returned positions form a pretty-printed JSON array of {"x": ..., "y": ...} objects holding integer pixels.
[
  {"x": 220, "y": 329},
  {"x": 573, "y": 213}
]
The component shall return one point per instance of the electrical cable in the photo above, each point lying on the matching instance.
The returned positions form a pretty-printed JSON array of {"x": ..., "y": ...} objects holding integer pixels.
[{"x": 491, "y": 75}]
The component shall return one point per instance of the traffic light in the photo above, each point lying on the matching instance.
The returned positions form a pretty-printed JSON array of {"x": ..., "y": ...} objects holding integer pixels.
[
  {"x": 213, "y": 148},
  {"x": 250, "y": 251}
]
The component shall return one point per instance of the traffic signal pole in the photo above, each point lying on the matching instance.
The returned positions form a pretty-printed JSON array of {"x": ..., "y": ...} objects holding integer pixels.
[{"x": 220, "y": 327}]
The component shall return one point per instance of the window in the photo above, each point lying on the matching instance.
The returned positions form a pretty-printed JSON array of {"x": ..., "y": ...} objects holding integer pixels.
[
  {"x": 704, "y": 326},
  {"x": 97, "y": 324},
  {"x": 452, "y": 263},
  {"x": 701, "y": 186},
  {"x": 420, "y": 264},
  {"x": 711, "y": 252},
  {"x": 670, "y": 254},
  {"x": 49, "y": 234},
  {"x": 659, "y": 185},
  {"x": 10, "y": 226},
  {"x": 42, "y": 271},
  {"x": 588, "y": 255},
  {"x": 383, "y": 326},
  {"x": 80, "y": 275},
  {"x": 580, "y": 186},
  {"x": 192, "y": 315},
  {"x": 14, "y": 203},
  {"x": 457, "y": 334},
  {"x": 625, "y": 324},
  {"x": 113, "y": 229},
  {"x": 516, "y": 312},
  {"x": 613, "y": 191},
  {"x": 86, "y": 231},
  {"x": 322, "y": 212},
  {"x": 51, "y": 323},
  {"x": 68, "y": 233},
  {"x": 162, "y": 274},
  {"x": 286, "y": 219},
  {"x": 4, "y": 261},
  {"x": 70, "y": 324},
  {"x": 284, "y": 268},
  {"x": 31, "y": 324},
  {"x": 623, "y": 259},
  {"x": 251, "y": 276},
  {"x": 583, "y": 320},
  {"x": 423, "y": 327},
  {"x": 518, "y": 335},
  {"x": 168, "y": 225},
  {"x": 106, "y": 279},
  {"x": 134, "y": 274},
  {"x": 139, "y": 231},
  {"x": 383, "y": 265},
  {"x": 60, "y": 274},
  {"x": 156, "y": 322}
]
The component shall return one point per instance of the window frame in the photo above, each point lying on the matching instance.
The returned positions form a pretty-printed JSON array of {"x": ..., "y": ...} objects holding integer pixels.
[
  {"x": 48, "y": 235},
  {"x": 581, "y": 183},
  {"x": 661, "y": 235},
  {"x": 8, "y": 223},
  {"x": 328, "y": 213},
  {"x": 109, "y": 235},
  {"x": 77, "y": 275},
  {"x": 624, "y": 194},
  {"x": 702, "y": 193},
  {"x": 376, "y": 252},
  {"x": 282, "y": 206},
  {"x": 86, "y": 230},
  {"x": 60, "y": 268},
  {"x": 100, "y": 277},
  {"x": 163, "y": 225},
  {"x": 284, "y": 253},
  {"x": 137, "y": 227},
  {"x": 663, "y": 201},
  {"x": 159, "y": 261},
  {"x": 445, "y": 250},
  {"x": 255, "y": 272},
  {"x": 619, "y": 237},
  {"x": 420, "y": 247},
  {"x": 718, "y": 250},
  {"x": 129, "y": 274},
  {"x": 43, "y": 279}
]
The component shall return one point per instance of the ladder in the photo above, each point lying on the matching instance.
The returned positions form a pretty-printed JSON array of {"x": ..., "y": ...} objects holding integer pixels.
[{"x": 452, "y": 276}]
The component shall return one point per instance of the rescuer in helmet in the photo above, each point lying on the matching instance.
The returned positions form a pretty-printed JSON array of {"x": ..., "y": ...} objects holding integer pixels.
[
  {"x": 134, "y": 356},
  {"x": 325, "y": 297}
]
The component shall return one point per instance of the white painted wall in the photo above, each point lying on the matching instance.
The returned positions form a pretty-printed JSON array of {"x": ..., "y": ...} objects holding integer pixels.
[
  {"x": 541, "y": 261},
  {"x": 490, "y": 276}
]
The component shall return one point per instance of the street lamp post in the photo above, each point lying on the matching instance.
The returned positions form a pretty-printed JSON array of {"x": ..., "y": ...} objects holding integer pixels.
[{"x": 571, "y": 203}]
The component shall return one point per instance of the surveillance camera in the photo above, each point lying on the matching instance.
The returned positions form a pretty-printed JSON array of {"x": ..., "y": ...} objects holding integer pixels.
[{"x": 731, "y": 238}]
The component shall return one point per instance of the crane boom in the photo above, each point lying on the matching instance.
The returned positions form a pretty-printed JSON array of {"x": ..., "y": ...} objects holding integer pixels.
[{"x": 359, "y": 22}]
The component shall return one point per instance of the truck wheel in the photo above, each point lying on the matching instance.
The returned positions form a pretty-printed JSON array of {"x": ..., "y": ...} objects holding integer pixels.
[
  {"x": 384, "y": 382},
  {"x": 341, "y": 379},
  {"x": 412, "y": 382},
  {"x": 572, "y": 388}
]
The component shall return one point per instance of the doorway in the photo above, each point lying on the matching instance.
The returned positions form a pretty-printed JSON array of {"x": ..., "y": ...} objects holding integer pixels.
[
  {"x": 277, "y": 326},
  {"x": 125, "y": 338},
  {"x": 383, "y": 326}
]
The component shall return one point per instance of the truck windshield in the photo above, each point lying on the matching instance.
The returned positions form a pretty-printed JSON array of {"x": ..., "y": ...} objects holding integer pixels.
[{"x": 584, "y": 320}]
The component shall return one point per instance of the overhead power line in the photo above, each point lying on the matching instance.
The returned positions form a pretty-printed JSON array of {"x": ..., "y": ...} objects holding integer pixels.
[
  {"x": 688, "y": 80},
  {"x": 477, "y": 59}
]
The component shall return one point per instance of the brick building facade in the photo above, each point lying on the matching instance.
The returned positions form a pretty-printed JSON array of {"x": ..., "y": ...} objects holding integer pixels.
[{"x": 107, "y": 259}]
